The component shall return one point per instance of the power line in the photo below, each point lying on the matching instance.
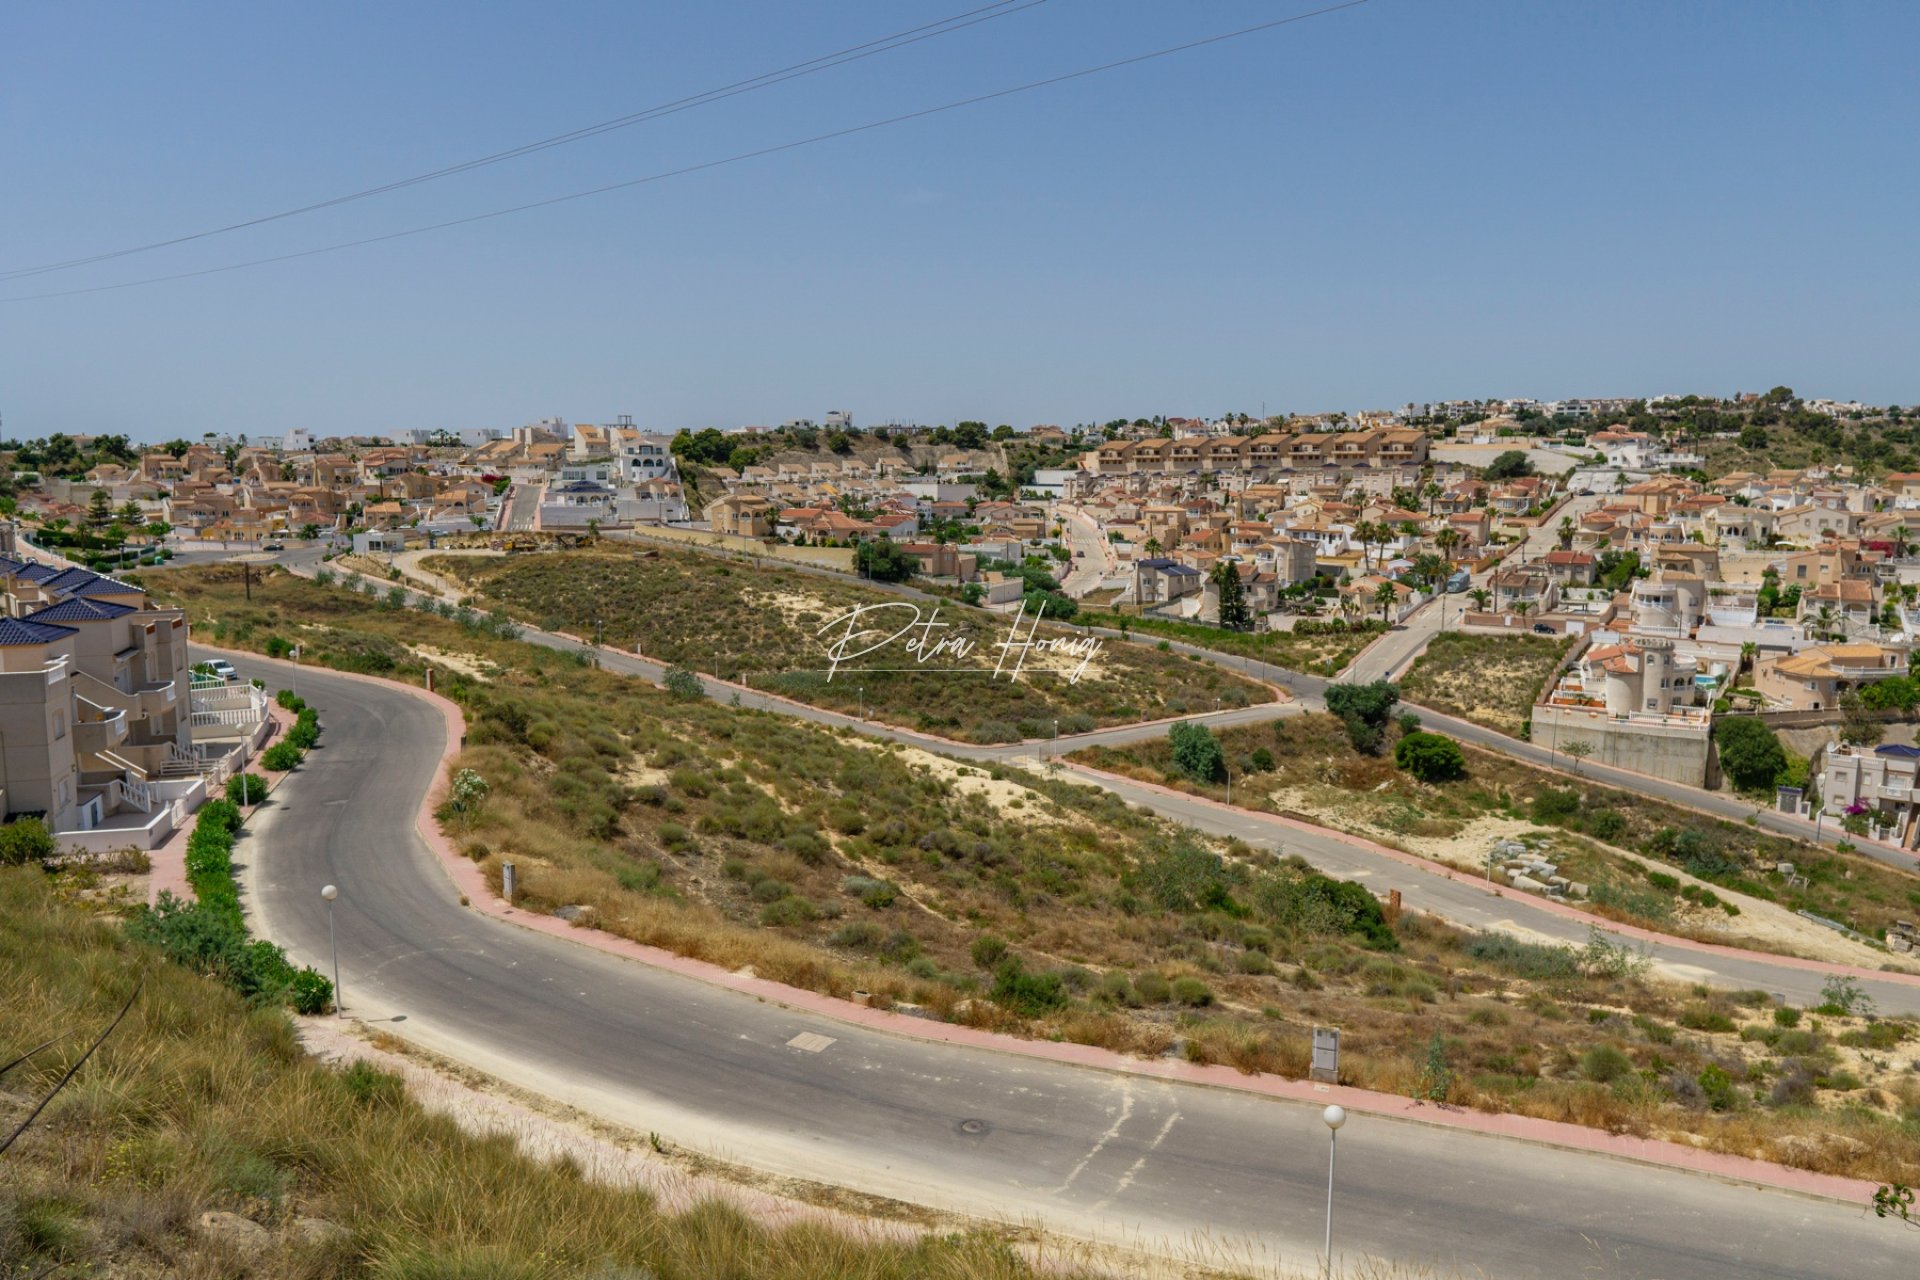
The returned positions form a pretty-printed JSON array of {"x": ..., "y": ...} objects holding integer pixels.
[
  {"x": 736, "y": 158},
  {"x": 812, "y": 66}
]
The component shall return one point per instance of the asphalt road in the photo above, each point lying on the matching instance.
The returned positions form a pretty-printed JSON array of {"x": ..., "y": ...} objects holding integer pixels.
[
  {"x": 1456, "y": 899},
  {"x": 1087, "y": 1152}
]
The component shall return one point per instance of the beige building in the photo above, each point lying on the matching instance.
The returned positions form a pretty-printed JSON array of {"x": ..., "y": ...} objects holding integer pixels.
[
  {"x": 1815, "y": 679},
  {"x": 97, "y": 720}
]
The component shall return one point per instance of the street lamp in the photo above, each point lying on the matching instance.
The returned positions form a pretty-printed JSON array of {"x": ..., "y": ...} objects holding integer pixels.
[
  {"x": 863, "y": 702},
  {"x": 330, "y": 893},
  {"x": 1335, "y": 1116}
]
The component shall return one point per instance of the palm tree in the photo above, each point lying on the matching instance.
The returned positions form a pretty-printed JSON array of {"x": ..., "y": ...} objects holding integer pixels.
[
  {"x": 1521, "y": 608},
  {"x": 1566, "y": 532},
  {"x": 1447, "y": 539},
  {"x": 1748, "y": 652},
  {"x": 1431, "y": 492},
  {"x": 1481, "y": 597},
  {"x": 1385, "y": 596}
]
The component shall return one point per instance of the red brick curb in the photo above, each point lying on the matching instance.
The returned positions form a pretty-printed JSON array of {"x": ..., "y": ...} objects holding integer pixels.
[{"x": 472, "y": 884}]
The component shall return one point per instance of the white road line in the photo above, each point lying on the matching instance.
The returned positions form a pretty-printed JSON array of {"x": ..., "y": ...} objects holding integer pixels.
[
  {"x": 1126, "y": 1179},
  {"x": 1113, "y": 1131}
]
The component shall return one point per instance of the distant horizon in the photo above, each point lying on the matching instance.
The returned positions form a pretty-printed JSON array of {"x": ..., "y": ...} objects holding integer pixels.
[{"x": 8, "y": 434}]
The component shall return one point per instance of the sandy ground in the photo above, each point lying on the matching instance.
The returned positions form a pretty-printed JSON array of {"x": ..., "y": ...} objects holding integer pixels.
[
  {"x": 465, "y": 664},
  {"x": 1766, "y": 923},
  {"x": 1002, "y": 793}
]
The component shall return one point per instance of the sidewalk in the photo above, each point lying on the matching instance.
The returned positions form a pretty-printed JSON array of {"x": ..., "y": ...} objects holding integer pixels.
[{"x": 168, "y": 872}]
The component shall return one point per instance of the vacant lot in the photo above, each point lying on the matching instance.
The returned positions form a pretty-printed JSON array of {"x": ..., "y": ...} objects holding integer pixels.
[
  {"x": 1020, "y": 902},
  {"x": 1303, "y": 765},
  {"x": 1320, "y": 647},
  {"x": 1490, "y": 680},
  {"x": 771, "y": 628}
]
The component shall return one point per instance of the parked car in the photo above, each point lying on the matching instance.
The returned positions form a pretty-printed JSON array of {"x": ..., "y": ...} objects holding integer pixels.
[
  {"x": 1543, "y": 628},
  {"x": 273, "y": 546},
  {"x": 222, "y": 668}
]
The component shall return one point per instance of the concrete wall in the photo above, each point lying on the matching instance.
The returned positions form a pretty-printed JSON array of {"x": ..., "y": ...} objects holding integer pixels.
[
  {"x": 840, "y": 558},
  {"x": 1675, "y": 752}
]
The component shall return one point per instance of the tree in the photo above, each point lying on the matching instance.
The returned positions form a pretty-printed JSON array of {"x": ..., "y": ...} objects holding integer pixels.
[
  {"x": 1430, "y": 757},
  {"x": 881, "y": 560},
  {"x": 1481, "y": 598},
  {"x": 1750, "y": 753},
  {"x": 100, "y": 509},
  {"x": 1566, "y": 532},
  {"x": 1364, "y": 709},
  {"x": 1577, "y": 750},
  {"x": 1386, "y": 597},
  {"x": 1860, "y": 725},
  {"x": 1508, "y": 466},
  {"x": 130, "y": 513},
  {"x": 1196, "y": 752},
  {"x": 1234, "y": 614}
]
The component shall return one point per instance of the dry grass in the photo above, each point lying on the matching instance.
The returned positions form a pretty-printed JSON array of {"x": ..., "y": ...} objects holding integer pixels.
[
  {"x": 753, "y": 840},
  {"x": 1490, "y": 680},
  {"x": 761, "y": 627},
  {"x": 1326, "y": 653},
  {"x": 199, "y": 1104},
  {"x": 1317, "y": 774}
]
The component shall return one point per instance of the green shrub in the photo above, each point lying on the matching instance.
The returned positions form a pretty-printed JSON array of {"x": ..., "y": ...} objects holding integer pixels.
[
  {"x": 860, "y": 935},
  {"x": 1430, "y": 757},
  {"x": 1029, "y": 994},
  {"x": 1191, "y": 992},
  {"x": 1606, "y": 825},
  {"x": 1151, "y": 988},
  {"x": 310, "y": 992},
  {"x": 1524, "y": 959},
  {"x": 246, "y": 789},
  {"x": 1704, "y": 1018},
  {"x": 1196, "y": 752},
  {"x": 770, "y": 890},
  {"x": 788, "y": 912},
  {"x": 1605, "y": 1063},
  {"x": 25, "y": 840},
  {"x": 988, "y": 950},
  {"x": 280, "y": 757},
  {"x": 1786, "y": 1017},
  {"x": 1717, "y": 1085}
]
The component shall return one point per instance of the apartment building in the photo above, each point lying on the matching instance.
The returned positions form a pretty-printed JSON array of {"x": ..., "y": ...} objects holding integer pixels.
[{"x": 100, "y": 734}]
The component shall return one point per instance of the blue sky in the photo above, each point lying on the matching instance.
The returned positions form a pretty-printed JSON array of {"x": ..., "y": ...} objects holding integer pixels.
[{"x": 1409, "y": 199}]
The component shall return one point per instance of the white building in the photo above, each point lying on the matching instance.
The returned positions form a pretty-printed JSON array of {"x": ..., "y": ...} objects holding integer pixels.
[{"x": 297, "y": 440}]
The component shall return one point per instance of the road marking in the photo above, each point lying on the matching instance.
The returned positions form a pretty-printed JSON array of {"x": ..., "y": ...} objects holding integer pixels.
[
  {"x": 1126, "y": 1179},
  {"x": 810, "y": 1042},
  {"x": 1113, "y": 1130}
]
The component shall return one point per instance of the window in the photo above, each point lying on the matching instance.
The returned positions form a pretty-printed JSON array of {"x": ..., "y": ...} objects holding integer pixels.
[{"x": 60, "y": 728}]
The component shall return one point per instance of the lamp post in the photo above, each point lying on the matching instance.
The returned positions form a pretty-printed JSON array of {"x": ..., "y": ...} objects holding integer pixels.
[
  {"x": 1335, "y": 1116},
  {"x": 330, "y": 893},
  {"x": 863, "y": 702}
]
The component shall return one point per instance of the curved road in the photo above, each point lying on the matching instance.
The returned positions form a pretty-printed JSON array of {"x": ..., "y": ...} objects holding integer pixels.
[{"x": 1087, "y": 1152}]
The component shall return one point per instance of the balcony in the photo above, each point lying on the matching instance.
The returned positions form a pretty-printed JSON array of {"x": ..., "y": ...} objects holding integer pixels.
[
  {"x": 149, "y": 699},
  {"x": 96, "y": 728}
]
